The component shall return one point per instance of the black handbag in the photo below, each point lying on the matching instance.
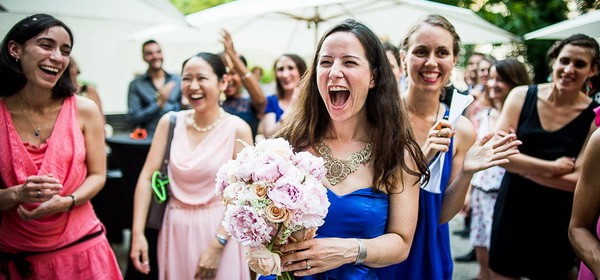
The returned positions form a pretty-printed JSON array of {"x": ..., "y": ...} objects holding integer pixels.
[{"x": 160, "y": 185}]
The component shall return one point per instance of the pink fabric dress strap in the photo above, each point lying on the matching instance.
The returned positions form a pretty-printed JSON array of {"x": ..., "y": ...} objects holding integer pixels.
[
  {"x": 597, "y": 111},
  {"x": 64, "y": 158},
  {"x": 192, "y": 171}
]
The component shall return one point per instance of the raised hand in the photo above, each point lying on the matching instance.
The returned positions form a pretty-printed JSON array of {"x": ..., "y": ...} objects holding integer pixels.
[
  {"x": 438, "y": 139},
  {"x": 486, "y": 152}
]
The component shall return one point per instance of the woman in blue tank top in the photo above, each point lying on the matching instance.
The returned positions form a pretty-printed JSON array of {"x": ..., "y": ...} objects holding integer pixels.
[
  {"x": 430, "y": 51},
  {"x": 349, "y": 113}
]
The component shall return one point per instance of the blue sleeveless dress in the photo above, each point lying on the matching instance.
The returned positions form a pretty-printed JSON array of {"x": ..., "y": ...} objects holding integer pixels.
[
  {"x": 430, "y": 256},
  {"x": 360, "y": 214}
]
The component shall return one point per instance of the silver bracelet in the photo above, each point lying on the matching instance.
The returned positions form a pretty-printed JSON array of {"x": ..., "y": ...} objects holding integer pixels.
[
  {"x": 222, "y": 240},
  {"x": 362, "y": 252}
]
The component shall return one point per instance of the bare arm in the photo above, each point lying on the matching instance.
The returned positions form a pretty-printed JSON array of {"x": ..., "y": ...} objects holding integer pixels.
[
  {"x": 522, "y": 163},
  {"x": 269, "y": 125},
  {"x": 469, "y": 159},
  {"x": 390, "y": 248},
  {"x": 143, "y": 195},
  {"x": 211, "y": 257},
  {"x": 586, "y": 208},
  {"x": 91, "y": 124},
  {"x": 567, "y": 181},
  {"x": 455, "y": 194},
  {"x": 259, "y": 102}
]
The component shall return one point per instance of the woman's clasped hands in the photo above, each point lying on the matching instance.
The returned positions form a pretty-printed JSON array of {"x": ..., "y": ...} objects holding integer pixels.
[{"x": 44, "y": 189}]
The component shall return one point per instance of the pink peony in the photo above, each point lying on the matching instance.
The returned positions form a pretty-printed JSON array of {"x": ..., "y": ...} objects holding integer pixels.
[
  {"x": 313, "y": 165},
  {"x": 287, "y": 192},
  {"x": 246, "y": 226}
]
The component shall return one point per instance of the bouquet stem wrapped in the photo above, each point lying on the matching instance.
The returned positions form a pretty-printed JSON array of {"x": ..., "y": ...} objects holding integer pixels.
[{"x": 273, "y": 196}]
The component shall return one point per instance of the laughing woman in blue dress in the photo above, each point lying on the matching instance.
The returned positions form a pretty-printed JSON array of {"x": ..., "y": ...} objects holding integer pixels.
[
  {"x": 430, "y": 51},
  {"x": 344, "y": 112}
]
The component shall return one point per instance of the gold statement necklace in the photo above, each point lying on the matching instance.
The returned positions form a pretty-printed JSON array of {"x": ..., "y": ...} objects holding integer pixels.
[
  {"x": 211, "y": 126},
  {"x": 339, "y": 169},
  {"x": 36, "y": 130}
]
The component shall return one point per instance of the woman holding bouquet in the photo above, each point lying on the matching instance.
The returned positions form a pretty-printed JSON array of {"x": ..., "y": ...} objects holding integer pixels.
[
  {"x": 192, "y": 242},
  {"x": 344, "y": 111}
]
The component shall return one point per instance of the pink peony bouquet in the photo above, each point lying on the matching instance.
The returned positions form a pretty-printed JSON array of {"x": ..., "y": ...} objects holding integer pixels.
[{"x": 273, "y": 196}]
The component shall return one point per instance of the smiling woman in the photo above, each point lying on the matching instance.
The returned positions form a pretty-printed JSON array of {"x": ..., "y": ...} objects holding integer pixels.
[
  {"x": 52, "y": 158},
  {"x": 344, "y": 112},
  {"x": 554, "y": 121},
  {"x": 203, "y": 140}
]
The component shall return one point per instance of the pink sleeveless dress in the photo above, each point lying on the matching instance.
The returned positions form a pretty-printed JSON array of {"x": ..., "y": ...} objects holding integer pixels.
[
  {"x": 195, "y": 212},
  {"x": 584, "y": 272},
  {"x": 63, "y": 155}
]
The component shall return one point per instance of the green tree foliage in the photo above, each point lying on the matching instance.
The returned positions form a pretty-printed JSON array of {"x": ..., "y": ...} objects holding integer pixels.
[
  {"x": 191, "y": 6},
  {"x": 520, "y": 17}
]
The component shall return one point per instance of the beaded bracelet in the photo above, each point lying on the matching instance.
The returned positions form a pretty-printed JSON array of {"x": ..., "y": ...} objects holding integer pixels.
[
  {"x": 72, "y": 201},
  {"x": 362, "y": 252}
]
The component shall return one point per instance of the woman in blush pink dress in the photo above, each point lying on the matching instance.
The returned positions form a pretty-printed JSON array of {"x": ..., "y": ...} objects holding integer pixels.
[{"x": 192, "y": 243}]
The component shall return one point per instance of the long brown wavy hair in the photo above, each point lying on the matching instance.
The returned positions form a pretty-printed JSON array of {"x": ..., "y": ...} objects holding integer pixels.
[{"x": 394, "y": 147}]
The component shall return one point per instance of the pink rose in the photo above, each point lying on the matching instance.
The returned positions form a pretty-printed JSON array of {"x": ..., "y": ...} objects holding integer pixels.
[
  {"x": 277, "y": 214},
  {"x": 259, "y": 189},
  {"x": 263, "y": 261}
]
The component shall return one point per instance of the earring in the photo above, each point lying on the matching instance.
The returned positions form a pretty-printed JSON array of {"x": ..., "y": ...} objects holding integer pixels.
[{"x": 222, "y": 97}]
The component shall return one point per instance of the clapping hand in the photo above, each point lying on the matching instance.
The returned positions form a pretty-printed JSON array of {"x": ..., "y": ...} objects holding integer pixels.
[{"x": 486, "y": 152}]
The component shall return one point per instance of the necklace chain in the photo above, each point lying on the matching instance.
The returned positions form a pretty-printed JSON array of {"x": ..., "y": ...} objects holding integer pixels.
[
  {"x": 36, "y": 130},
  {"x": 211, "y": 126},
  {"x": 339, "y": 169}
]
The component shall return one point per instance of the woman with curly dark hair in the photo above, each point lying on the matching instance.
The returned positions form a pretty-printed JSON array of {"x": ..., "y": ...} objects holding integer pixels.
[{"x": 52, "y": 161}]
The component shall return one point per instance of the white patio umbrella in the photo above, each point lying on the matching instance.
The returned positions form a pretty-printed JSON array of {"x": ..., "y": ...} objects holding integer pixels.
[
  {"x": 274, "y": 27},
  {"x": 588, "y": 24},
  {"x": 101, "y": 29}
]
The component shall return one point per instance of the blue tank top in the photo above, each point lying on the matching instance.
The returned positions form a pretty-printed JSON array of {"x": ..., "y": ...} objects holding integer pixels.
[
  {"x": 360, "y": 214},
  {"x": 430, "y": 256}
]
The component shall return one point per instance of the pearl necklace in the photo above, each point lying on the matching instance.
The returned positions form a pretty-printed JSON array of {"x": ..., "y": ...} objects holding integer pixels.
[{"x": 211, "y": 126}]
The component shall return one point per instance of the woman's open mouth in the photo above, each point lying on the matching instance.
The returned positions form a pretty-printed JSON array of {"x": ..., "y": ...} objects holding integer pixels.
[
  {"x": 338, "y": 96},
  {"x": 197, "y": 96},
  {"x": 50, "y": 70}
]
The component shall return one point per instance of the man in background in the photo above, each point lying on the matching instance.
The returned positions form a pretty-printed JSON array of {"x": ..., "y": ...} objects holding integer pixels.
[{"x": 154, "y": 93}]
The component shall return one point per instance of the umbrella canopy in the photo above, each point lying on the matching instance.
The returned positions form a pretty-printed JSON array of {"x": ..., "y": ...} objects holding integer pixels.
[
  {"x": 588, "y": 24},
  {"x": 142, "y": 11},
  {"x": 291, "y": 26},
  {"x": 101, "y": 29}
]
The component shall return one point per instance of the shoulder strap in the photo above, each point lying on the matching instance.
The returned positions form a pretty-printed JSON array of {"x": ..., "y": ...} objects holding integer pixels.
[{"x": 172, "y": 121}]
